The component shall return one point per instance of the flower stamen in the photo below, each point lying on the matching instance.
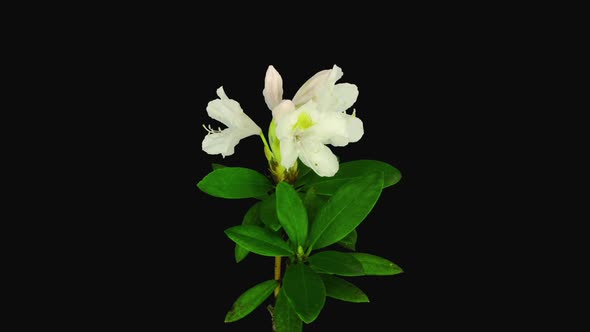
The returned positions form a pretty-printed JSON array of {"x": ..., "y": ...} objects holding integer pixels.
[{"x": 211, "y": 130}]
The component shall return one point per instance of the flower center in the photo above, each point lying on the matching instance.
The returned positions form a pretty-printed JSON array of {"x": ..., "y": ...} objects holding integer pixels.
[{"x": 303, "y": 122}]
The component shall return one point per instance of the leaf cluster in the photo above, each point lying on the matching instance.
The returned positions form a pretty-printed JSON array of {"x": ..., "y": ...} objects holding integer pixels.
[{"x": 299, "y": 221}]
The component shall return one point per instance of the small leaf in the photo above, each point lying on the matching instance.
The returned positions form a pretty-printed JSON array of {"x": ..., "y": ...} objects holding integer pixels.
[
  {"x": 349, "y": 241},
  {"x": 291, "y": 213},
  {"x": 217, "y": 166},
  {"x": 235, "y": 182},
  {"x": 313, "y": 203},
  {"x": 377, "y": 266},
  {"x": 345, "y": 210},
  {"x": 252, "y": 217},
  {"x": 268, "y": 213},
  {"x": 343, "y": 290},
  {"x": 259, "y": 240},
  {"x": 305, "y": 290},
  {"x": 250, "y": 300},
  {"x": 334, "y": 262},
  {"x": 240, "y": 253},
  {"x": 285, "y": 317},
  {"x": 351, "y": 170}
]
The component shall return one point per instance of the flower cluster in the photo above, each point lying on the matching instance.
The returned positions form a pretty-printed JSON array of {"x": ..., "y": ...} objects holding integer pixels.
[{"x": 300, "y": 128}]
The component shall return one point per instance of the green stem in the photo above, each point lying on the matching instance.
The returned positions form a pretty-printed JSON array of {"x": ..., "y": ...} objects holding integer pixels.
[{"x": 267, "y": 150}]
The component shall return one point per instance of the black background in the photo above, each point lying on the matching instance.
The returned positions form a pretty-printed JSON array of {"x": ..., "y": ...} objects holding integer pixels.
[{"x": 170, "y": 263}]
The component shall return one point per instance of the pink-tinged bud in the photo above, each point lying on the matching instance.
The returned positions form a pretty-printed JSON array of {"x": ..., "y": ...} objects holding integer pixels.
[
  {"x": 273, "y": 88},
  {"x": 309, "y": 89}
]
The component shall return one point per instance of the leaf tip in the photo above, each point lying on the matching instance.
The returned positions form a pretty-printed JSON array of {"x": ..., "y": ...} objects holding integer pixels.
[
  {"x": 239, "y": 258},
  {"x": 228, "y": 232},
  {"x": 228, "y": 317},
  {"x": 364, "y": 299}
]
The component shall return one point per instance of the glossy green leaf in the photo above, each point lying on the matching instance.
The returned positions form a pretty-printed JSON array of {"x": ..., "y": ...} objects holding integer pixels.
[
  {"x": 305, "y": 290},
  {"x": 334, "y": 262},
  {"x": 349, "y": 241},
  {"x": 252, "y": 217},
  {"x": 376, "y": 266},
  {"x": 345, "y": 210},
  {"x": 302, "y": 171},
  {"x": 250, "y": 300},
  {"x": 268, "y": 213},
  {"x": 291, "y": 213},
  {"x": 259, "y": 240},
  {"x": 313, "y": 203},
  {"x": 343, "y": 290},
  {"x": 215, "y": 166},
  {"x": 235, "y": 182},
  {"x": 351, "y": 170},
  {"x": 285, "y": 317}
]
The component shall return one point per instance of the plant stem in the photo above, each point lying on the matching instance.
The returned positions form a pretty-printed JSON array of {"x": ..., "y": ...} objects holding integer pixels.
[
  {"x": 277, "y": 274},
  {"x": 267, "y": 151}
]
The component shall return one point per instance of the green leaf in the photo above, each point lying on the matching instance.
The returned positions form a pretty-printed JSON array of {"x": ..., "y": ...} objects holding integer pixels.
[
  {"x": 259, "y": 240},
  {"x": 377, "y": 266},
  {"x": 313, "y": 203},
  {"x": 235, "y": 182},
  {"x": 268, "y": 213},
  {"x": 250, "y": 300},
  {"x": 334, "y": 262},
  {"x": 240, "y": 253},
  {"x": 252, "y": 217},
  {"x": 302, "y": 171},
  {"x": 351, "y": 170},
  {"x": 285, "y": 317},
  {"x": 349, "y": 241},
  {"x": 343, "y": 290},
  {"x": 345, "y": 210},
  {"x": 305, "y": 290},
  {"x": 291, "y": 213},
  {"x": 217, "y": 166}
]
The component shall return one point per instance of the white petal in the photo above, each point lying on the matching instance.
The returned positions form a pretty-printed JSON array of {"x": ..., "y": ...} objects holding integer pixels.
[
  {"x": 335, "y": 74},
  {"x": 289, "y": 152},
  {"x": 318, "y": 157},
  {"x": 346, "y": 95},
  {"x": 273, "y": 88},
  {"x": 222, "y": 143},
  {"x": 329, "y": 98},
  {"x": 247, "y": 126},
  {"x": 224, "y": 110},
  {"x": 354, "y": 128},
  {"x": 331, "y": 129},
  {"x": 309, "y": 89},
  {"x": 229, "y": 112},
  {"x": 221, "y": 93},
  {"x": 337, "y": 129},
  {"x": 285, "y": 107},
  {"x": 284, "y": 127}
]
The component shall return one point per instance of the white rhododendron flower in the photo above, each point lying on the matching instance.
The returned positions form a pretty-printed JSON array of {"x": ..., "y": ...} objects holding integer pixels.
[
  {"x": 316, "y": 117},
  {"x": 239, "y": 125}
]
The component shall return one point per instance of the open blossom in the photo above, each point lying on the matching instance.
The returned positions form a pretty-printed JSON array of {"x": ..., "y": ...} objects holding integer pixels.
[
  {"x": 239, "y": 126},
  {"x": 315, "y": 117}
]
